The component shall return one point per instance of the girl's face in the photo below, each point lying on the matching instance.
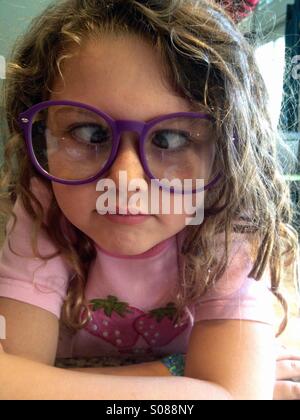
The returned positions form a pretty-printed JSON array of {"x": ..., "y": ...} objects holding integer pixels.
[{"x": 121, "y": 76}]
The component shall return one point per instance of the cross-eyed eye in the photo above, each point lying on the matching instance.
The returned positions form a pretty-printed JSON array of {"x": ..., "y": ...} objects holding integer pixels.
[
  {"x": 171, "y": 140},
  {"x": 91, "y": 134}
]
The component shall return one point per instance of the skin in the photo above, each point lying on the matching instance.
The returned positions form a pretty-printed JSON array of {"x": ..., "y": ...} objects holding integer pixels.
[
  {"x": 110, "y": 78},
  {"x": 287, "y": 386}
]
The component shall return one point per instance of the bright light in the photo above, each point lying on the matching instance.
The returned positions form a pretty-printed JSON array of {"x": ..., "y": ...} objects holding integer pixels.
[
  {"x": 2, "y": 67},
  {"x": 271, "y": 61}
]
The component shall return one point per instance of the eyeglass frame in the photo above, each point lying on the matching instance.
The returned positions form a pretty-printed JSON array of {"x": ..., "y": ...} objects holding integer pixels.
[{"x": 25, "y": 122}]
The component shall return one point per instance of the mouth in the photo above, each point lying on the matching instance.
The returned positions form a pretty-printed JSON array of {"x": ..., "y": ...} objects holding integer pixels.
[
  {"x": 129, "y": 212},
  {"x": 128, "y": 219},
  {"x": 126, "y": 216}
]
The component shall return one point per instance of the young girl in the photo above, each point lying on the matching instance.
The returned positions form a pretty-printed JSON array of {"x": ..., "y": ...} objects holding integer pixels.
[{"x": 158, "y": 89}]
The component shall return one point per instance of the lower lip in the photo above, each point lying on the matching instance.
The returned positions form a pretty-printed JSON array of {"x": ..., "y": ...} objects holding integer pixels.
[{"x": 127, "y": 220}]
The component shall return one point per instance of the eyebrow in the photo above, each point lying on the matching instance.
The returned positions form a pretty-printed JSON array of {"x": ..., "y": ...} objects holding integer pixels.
[
  {"x": 72, "y": 109},
  {"x": 69, "y": 109}
]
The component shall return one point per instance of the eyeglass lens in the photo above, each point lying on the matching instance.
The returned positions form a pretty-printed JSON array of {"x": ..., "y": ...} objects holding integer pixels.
[{"x": 74, "y": 144}]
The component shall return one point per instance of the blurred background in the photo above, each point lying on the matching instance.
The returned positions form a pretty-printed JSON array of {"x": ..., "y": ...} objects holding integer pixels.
[{"x": 273, "y": 27}]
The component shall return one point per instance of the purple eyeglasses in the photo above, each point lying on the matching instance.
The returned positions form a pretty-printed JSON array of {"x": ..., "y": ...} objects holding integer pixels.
[{"x": 74, "y": 144}]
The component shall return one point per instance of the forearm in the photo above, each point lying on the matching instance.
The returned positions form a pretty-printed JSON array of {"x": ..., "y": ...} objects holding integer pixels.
[
  {"x": 21, "y": 379},
  {"x": 141, "y": 369}
]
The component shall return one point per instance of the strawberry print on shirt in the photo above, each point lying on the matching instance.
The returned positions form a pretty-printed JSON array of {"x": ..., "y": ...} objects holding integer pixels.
[
  {"x": 122, "y": 325},
  {"x": 113, "y": 322},
  {"x": 158, "y": 327}
]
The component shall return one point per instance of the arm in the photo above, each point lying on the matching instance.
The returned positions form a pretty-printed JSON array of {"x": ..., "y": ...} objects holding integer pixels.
[
  {"x": 26, "y": 380},
  {"x": 287, "y": 386},
  {"x": 32, "y": 333},
  {"x": 237, "y": 355},
  {"x": 27, "y": 372}
]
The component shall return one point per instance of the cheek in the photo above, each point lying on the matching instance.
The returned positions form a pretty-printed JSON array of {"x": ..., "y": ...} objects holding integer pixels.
[
  {"x": 183, "y": 206},
  {"x": 76, "y": 202},
  {"x": 173, "y": 223}
]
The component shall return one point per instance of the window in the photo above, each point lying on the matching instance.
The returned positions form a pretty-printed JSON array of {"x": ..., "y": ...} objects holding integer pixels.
[
  {"x": 271, "y": 61},
  {"x": 266, "y": 28}
]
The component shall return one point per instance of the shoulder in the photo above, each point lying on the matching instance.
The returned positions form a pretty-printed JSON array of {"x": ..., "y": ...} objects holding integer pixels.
[
  {"x": 24, "y": 276},
  {"x": 236, "y": 294},
  {"x": 20, "y": 226}
]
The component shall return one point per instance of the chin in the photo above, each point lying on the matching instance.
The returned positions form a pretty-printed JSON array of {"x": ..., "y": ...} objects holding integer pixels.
[
  {"x": 129, "y": 246},
  {"x": 125, "y": 250}
]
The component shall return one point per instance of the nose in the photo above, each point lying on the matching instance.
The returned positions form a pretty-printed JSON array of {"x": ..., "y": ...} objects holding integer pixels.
[{"x": 127, "y": 159}]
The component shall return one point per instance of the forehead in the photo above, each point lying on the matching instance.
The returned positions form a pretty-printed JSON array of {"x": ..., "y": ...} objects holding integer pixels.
[{"x": 122, "y": 75}]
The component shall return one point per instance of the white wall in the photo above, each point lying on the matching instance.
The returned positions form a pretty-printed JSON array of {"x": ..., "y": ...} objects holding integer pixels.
[{"x": 15, "y": 15}]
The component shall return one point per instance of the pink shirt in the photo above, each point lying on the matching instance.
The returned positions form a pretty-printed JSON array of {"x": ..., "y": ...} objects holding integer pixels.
[{"x": 132, "y": 296}]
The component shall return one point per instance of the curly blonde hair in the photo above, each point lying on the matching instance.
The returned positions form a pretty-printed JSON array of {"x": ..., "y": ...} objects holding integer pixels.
[{"x": 209, "y": 62}]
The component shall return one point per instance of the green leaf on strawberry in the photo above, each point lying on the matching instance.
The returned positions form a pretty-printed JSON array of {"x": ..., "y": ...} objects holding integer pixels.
[
  {"x": 110, "y": 305},
  {"x": 168, "y": 311}
]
